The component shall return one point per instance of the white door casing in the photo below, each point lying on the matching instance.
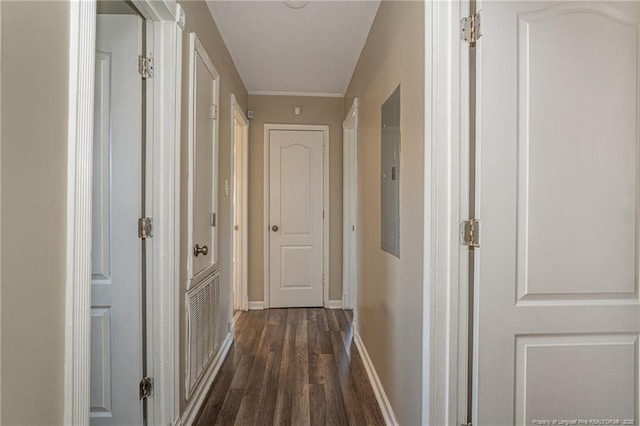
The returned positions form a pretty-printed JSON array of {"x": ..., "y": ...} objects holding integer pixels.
[
  {"x": 239, "y": 206},
  {"x": 116, "y": 312},
  {"x": 165, "y": 22},
  {"x": 296, "y": 246},
  {"x": 350, "y": 208},
  {"x": 558, "y": 309},
  {"x": 204, "y": 83}
]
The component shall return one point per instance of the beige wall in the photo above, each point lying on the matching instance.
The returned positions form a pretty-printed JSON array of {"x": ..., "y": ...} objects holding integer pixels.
[
  {"x": 35, "y": 57},
  {"x": 279, "y": 110},
  {"x": 199, "y": 20},
  {"x": 390, "y": 289}
]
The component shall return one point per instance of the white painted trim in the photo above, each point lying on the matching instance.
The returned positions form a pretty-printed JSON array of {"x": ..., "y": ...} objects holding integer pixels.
[
  {"x": 385, "y": 406},
  {"x": 349, "y": 207},
  {"x": 196, "y": 48},
  {"x": 201, "y": 391},
  {"x": 256, "y": 306},
  {"x": 243, "y": 287},
  {"x": 333, "y": 304},
  {"x": 163, "y": 205},
  {"x": 82, "y": 24},
  {"x": 164, "y": 134},
  {"x": 445, "y": 198},
  {"x": 310, "y": 94},
  {"x": 325, "y": 228}
]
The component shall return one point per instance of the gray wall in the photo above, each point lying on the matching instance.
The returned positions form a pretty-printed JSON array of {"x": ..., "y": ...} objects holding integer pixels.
[
  {"x": 35, "y": 57},
  {"x": 390, "y": 289}
]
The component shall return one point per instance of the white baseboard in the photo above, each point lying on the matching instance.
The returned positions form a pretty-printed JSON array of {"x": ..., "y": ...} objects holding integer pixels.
[
  {"x": 378, "y": 390},
  {"x": 334, "y": 304},
  {"x": 201, "y": 391},
  {"x": 256, "y": 306}
]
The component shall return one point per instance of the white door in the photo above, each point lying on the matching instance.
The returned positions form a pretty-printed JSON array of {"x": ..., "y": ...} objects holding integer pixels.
[
  {"x": 203, "y": 185},
  {"x": 240, "y": 204},
  {"x": 116, "y": 320},
  {"x": 558, "y": 315},
  {"x": 296, "y": 218}
]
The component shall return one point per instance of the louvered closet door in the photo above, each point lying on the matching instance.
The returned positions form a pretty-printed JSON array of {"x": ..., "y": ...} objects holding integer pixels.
[{"x": 558, "y": 316}]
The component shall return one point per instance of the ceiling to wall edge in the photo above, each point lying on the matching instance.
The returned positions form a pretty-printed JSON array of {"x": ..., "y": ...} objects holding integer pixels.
[{"x": 218, "y": 21}]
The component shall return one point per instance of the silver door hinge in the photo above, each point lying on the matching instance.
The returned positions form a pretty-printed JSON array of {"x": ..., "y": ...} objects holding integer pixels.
[
  {"x": 146, "y": 388},
  {"x": 145, "y": 227},
  {"x": 213, "y": 219},
  {"x": 322, "y": 279},
  {"x": 470, "y": 233},
  {"x": 214, "y": 112},
  {"x": 145, "y": 67},
  {"x": 470, "y": 28}
]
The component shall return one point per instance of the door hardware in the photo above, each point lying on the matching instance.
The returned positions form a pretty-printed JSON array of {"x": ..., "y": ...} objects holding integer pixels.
[
  {"x": 275, "y": 228},
  {"x": 197, "y": 250}
]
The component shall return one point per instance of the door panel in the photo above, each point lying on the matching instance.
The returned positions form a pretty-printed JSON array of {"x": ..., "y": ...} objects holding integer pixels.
[
  {"x": 296, "y": 204},
  {"x": 204, "y": 180},
  {"x": 116, "y": 320},
  {"x": 557, "y": 273}
]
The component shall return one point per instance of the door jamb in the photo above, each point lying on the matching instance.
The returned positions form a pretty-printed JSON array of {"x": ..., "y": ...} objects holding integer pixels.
[
  {"x": 266, "y": 194},
  {"x": 163, "y": 119},
  {"x": 444, "y": 352},
  {"x": 238, "y": 113},
  {"x": 350, "y": 237}
]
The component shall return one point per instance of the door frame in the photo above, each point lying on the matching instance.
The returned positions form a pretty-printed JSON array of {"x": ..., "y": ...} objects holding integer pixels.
[
  {"x": 166, "y": 21},
  {"x": 445, "y": 269},
  {"x": 240, "y": 288},
  {"x": 349, "y": 211},
  {"x": 325, "y": 190}
]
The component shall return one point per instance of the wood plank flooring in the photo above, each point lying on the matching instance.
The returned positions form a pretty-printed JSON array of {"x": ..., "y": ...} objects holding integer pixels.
[{"x": 292, "y": 367}]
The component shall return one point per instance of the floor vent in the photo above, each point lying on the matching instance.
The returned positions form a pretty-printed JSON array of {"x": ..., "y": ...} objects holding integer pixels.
[{"x": 203, "y": 312}]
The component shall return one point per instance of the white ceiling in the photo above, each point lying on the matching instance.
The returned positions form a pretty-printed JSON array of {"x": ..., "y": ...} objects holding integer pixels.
[{"x": 280, "y": 50}]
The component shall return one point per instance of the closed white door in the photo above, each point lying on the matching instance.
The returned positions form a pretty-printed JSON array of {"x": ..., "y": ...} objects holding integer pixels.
[
  {"x": 116, "y": 319},
  {"x": 240, "y": 204},
  {"x": 296, "y": 218},
  {"x": 204, "y": 80},
  {"x": 558, "y": 315}
]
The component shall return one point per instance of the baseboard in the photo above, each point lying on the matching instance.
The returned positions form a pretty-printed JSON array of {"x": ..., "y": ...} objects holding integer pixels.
[
  {"x": 256, "y": 306},
  {"x": 334, "y": 304},
  {"x": 378, "y": 390},
  {"x": 201, "y": 391}
]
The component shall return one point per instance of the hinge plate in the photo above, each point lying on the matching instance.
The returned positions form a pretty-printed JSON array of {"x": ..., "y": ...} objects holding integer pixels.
[
  {"x": 146, "y": 388},
  {"x": 214, "y": 112},
  {"x": 145, "y": 67},
  {"x": 145, "y": 227},
  {"x": 470, "y": 233},
  {"x": 213, "y": 219},
  {"x": 470, "y": 28}
]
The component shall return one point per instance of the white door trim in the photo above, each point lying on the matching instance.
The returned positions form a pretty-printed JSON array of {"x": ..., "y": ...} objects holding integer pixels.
[
  {"x": 238, "y": 114},
  {"x": 325, "y": 227},
  {"x": 446, "y": 201},
  {"x": 163, "y": 120},
  {"x": 350, "y": 207}
]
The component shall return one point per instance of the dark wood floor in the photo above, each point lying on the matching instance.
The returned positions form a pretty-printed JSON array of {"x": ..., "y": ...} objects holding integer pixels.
[{"x": 292, "y": 367}]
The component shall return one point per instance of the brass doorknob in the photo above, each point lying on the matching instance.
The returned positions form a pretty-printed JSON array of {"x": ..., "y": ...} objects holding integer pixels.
[
  {"x": 275, "y": 228},
  {"x": 197, "y": 250}
]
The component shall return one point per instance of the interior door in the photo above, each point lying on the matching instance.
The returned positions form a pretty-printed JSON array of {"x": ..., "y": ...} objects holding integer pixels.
[
  {"x": 204, "y": 163},
  {"x": 558, "y": 316},
  {"x": 116, "y": 319},
  {"x": 240, "y": 203},
  {"x": 296, "y": 218}
]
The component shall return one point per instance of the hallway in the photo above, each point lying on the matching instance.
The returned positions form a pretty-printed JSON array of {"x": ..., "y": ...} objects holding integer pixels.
[{"x": 292, "y": 366}]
